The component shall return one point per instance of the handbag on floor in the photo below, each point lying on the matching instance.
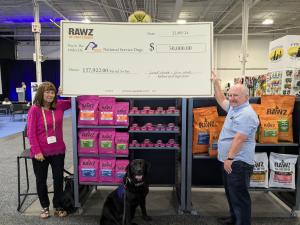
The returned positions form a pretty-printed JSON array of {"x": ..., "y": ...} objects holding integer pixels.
[{"x": 68, "y": 200}]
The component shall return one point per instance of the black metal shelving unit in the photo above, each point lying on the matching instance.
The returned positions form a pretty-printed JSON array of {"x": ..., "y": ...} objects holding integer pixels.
[
  {"x": 168, "y": 162},
  {"x": 196, "y": 163}
]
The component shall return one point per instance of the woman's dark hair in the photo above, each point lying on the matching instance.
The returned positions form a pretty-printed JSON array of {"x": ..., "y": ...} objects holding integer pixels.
[{"x": 39, "y": 97}]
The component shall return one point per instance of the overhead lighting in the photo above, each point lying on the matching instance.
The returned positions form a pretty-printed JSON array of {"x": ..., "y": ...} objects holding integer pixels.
[
  {"x": 86, "y": 20},
  {"x": 181, "y": 21},
  {"x": 268, "y": 21}
]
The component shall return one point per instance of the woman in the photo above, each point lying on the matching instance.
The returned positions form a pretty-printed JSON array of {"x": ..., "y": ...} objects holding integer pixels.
[{"x": 45, "y": 119}]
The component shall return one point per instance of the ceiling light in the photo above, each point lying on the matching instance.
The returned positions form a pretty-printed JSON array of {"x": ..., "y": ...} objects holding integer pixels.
[
  {"x": 86, "y": 20},
  {"x": 268, "y": 21},
  {"x": 181, "y": 21}
]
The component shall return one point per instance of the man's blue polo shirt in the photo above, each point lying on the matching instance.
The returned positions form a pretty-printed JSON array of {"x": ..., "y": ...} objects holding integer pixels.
[{"x": 241, "y": 119}]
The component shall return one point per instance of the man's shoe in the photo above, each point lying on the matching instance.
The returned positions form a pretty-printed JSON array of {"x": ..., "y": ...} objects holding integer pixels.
[{"x": 226, "y": 220}]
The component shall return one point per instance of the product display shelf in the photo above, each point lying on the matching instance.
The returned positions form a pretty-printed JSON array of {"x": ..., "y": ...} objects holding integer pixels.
[
  {"x": 103, "y": 127},
  {"x": 76, "y": 156},
  {"x": 272, "y": 189},
  {"x": 153, "y": 132},
  {"x": 154, "y": 115},
  {"x": 103, "y": 155},
  {"x": 153, "y": 148},
  {"x": 282, "y": 144},
  {"x": 204, "y": 156},
  {"x": 255, "y": 188},
  {"x": 168, "y": 162},
  {"x": 213, "y": 179},
  {"x": 99, "y": 184}
]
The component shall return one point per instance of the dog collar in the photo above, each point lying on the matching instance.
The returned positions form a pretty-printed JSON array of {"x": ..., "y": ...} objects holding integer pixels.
[{"x": 128, "y": 180}]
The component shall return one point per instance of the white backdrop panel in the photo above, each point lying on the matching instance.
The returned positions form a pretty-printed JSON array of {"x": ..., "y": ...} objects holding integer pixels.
[{"x": 122, "y": 59}]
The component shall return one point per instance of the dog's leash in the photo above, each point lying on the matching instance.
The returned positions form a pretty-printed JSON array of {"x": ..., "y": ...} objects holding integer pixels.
[{"x": 124, "y": 208}]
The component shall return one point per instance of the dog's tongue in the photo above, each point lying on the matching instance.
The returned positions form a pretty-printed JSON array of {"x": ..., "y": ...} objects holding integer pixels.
[{"x": 139, "y": 177}]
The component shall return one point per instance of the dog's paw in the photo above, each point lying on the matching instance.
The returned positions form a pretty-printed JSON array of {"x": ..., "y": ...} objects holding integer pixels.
[{"x": 147, "y": 218}]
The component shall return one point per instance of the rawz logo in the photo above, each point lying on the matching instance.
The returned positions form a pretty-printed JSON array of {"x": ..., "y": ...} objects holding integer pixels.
[{"x": 81, "y": 33}]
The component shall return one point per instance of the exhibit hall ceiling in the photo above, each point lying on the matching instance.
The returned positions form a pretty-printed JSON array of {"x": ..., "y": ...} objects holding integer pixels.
[{"x": 16, "y": 16}]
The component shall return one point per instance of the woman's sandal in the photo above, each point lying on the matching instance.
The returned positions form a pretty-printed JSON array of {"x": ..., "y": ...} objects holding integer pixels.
[
  {"x": 45, "y": 213},
  {"x": 60, "y": 213}
]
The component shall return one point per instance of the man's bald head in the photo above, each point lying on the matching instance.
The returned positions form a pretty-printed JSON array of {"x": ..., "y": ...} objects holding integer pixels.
[
  {"x": 238, "y": 95},
  {"x": 242, "y": 89}
]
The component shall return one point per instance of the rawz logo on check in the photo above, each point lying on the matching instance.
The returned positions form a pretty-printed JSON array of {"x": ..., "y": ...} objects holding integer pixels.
[{"x": 81, "y": 31}]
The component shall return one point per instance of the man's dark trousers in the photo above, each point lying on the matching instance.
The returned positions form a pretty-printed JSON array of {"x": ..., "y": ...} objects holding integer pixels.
[{"x": 236, "y": 186}]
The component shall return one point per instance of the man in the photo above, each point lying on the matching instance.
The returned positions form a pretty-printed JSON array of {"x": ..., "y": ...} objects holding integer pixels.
[{"x": 236, "y": 149}]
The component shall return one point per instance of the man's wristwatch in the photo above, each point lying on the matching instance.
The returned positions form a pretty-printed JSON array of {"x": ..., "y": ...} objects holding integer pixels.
[{"x": 230, "y": 158}]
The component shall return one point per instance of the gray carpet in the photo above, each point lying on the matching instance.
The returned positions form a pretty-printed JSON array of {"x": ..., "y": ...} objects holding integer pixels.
[
  {"x": 11, "y": 146},
  {"x": 161, "y": 220}
]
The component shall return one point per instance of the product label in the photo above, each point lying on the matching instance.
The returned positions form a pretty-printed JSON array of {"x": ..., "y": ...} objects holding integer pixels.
[
  {"x": 106, "y": 144},
  {"x": 108, "y": 116},
  {"x": 87, "y": 143},
  {"x": 203, "y": 138},
  {"x": 88, "y": 172},
  {"x": 86, "y": 115}
]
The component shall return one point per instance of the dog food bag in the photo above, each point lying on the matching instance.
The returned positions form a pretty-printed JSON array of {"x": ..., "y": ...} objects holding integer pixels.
[
  {"x": 287, "y": 100},
  {"x": 107, "y": 170},
  {"x": 282, "y": 170},
  {"x": 213, "y": 143},
  {"x": 268, "y": 131},
  {"x": 220, "y": 122},
  {"x": 120, "y": 170},
  {"x": 121, "y": 143},
  {"x": 204, "y": 120},
  {"x": 88, "y": 110},
  {"x": 88, "y": 169},
  {"x": 257, "y": 108},
  {"x": 88, "y": 141},
  {"x": 259, "y": 177},
  {"x": 106, "y": 110},
  {"x": 121, "y": 113},
  {"x": 281, "y": 106},
  {"x": 259, "y": 111},
  {"x": 107, "y": 141}
]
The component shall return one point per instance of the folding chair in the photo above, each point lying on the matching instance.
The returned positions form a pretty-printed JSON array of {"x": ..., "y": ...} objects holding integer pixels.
[
  {"x": 25, "y": 154},
  {"x": 17, "y": 109}
]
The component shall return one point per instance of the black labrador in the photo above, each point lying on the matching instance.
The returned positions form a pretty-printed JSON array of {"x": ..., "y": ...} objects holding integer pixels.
[{"x": 120, "y": 205}]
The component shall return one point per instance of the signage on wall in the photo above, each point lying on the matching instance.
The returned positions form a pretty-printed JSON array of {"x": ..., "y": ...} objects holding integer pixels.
[
  {"x": 133, "y": 60},
  {"x": 33, "y": 87}
]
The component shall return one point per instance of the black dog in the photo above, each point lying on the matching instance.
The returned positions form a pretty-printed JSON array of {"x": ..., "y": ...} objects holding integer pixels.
[{"x": 120, "y": 205}]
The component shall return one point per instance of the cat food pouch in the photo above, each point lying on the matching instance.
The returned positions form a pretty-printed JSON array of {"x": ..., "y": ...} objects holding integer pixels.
[
  {"x": 268, "y": 130},
  {"x": 106, "y": 110},
  {"x": 88, "y": 141},
  {"x": 88, "y": 169},
  {"x": 88, "y": 110},
  {"x": 204, "y": 120},
  {"x": 282, "y": 170},
  {"x": 121, "y": 143},
  {"x": 107, "y": 170},
  {"x": 120, "y": 170},
  {"x": 121, "y": 113},
  {"x": 259, "y": 177},
  {"x": 106, "y": 141}
]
